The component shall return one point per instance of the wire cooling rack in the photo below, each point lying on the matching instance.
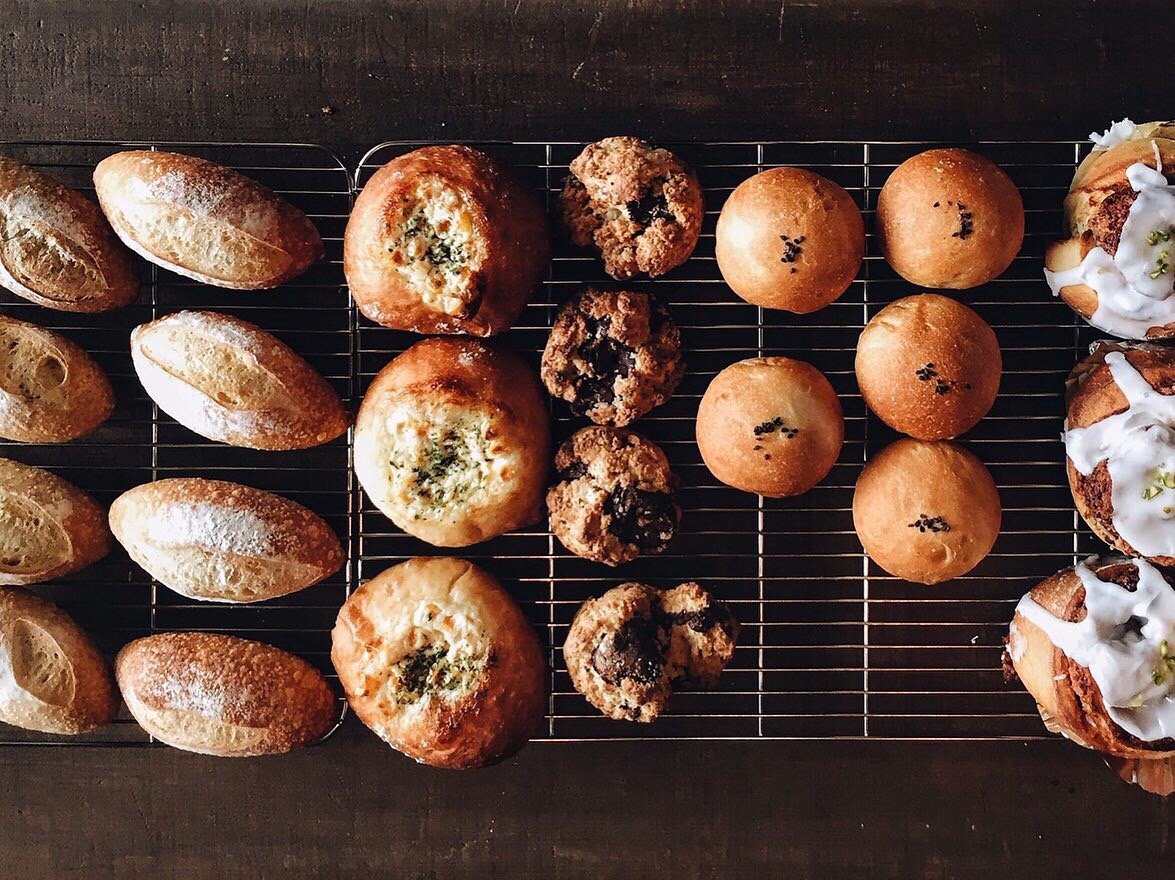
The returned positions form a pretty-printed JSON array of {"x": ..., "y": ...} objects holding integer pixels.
[{"x": 831, "y": 646}]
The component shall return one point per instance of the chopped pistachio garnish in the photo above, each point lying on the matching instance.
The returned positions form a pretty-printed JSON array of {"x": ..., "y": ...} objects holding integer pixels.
[
  {"x": 1162, "y": 264},
  {"x": 1166, "y": 664},
  {"x": 1161, "y": 480},
  {"x": 1150, "y": 492},
  {"x": 1158, "y": 235}
]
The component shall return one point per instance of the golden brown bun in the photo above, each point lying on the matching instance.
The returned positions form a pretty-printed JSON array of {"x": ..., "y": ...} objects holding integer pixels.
[
  {"x": 52, "y": 677},
  {"x": 205, "y": 221},
  {"x": 57, "y": 249},
  {"x": 51, "y": 391},
  {"x": 928, "y": 366},
  {"x": 437, "y": 659},
  {"x": 949, "y": 219},
  {"x": 452, "y": 441},
  {"x": 229, "y": 380},
  {"x": 48, "y": 527},
  {"x": 772, "y": 426},
  {"x": 219, "y": 695},
  {"x": 223, "y": 542},
  {"x": 926, "y": 512},
  {"x": 1066, "y": 694},
  {"x": 788, "y": 238},
  {"x": 507, "y": 223}
]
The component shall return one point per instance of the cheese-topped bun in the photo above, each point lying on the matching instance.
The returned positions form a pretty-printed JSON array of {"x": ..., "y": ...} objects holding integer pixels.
[
  {"x": 445, "y": 240},
  {"x": 219, "y": 695},
  {"x": 926, "y": 512},
  {"x": 949, "y": 218},
  {"x": 205, "y": 221},
  {"x": 1117, "y": 268},
  {"x": 229, "y": 380},
  {"x": 772, "y": 426},
  {"x": 223, "y": 542},
  {"x": 48, "y": 527},
  {"x": 452, "y": 442},
  {"x": 928, "y": 366},
  {"x": 437, "y": 659},
  {"x": 57, "y": 249},
  {"x": 790, "y": 239},
  {"x": 51, "y": 391},
  {"x": 52, "y": 677}
]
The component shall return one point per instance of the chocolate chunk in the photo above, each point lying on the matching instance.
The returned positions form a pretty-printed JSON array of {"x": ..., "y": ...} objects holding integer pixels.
[
  {"x": 703, "y": 619},
  {"x": 646, "y": 519},
  {"x": 574, "y": 471},
  {"x": 631, "y": 652},
  {"x": 608, "y": 358},
  {"x": 648, "y": 208}
]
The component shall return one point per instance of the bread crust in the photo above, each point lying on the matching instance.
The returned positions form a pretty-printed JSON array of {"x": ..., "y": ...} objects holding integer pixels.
[
  {"x": 224, "y": 542},
  {"x": 479, "y": 716},
  {"x": 205, "y": 221},
  {"x": 219, "y": 695},
  {"x": 508, "y": 219}
]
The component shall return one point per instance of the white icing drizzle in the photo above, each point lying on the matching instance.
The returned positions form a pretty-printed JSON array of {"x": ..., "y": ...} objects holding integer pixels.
[
  {"x": 1121, "y": 642},
  {"x": 1118, "y": 133},
  {"x": 1138, "y": 446}
]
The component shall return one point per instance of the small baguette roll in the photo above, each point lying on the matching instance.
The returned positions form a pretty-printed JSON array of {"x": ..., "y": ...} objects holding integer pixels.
[
  {"x": 56, "y": 248},
  {"x": 52, "y": 677},
  {"x": 229, "y": 380},
  {"x": 205, "y": 221},
  {"x": 51, "y": 391},
  {"x": 223, "y": 542},
  {"x": 48, "y": 527},
  {"x": 219, "y": 695}
]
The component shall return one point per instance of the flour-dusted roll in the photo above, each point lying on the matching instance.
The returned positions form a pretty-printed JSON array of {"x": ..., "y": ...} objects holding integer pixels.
[
  {"x": 452, "y": 442},
  {"x": 52, "y": 677},
  {"x": 229, "y": 380},
  {"x": 223, "y": 542},
  {"x": 220, "y": 695},
  {"x": 56, "y": 248},
  {"x": 205, "y": 221},
  {"x": 48, "y": 527},
  {"x": 437, "y": 659},
  {"x": 51, "y": 391}
]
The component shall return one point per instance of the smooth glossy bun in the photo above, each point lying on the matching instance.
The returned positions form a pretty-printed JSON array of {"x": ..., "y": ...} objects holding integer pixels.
[
  {"x": 926, "y": 512},
  {"x": 205, "y": 221},
  {"x": 453, "y": 442},
  {"x": 445, "y": 240},
  {"x": 772, "y": 426},
  {"x": 788, "y": 238},
  {"x": 437, "y": 659},
  {"x": 949, "y": 219},
  {"x": 928, "y": 366}
]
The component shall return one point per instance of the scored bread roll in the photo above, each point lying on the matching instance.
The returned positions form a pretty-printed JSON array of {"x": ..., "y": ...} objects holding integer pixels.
[
  {"x": 52, "y": 677},
  {"x": 56, "y": 248},
  {"x": 219, "y": 695},
  {"x": 223, "y": 542},
  {"x": 229, "y": 380},
  {"x": 48, "y": 527},
  {"x": 205, "y": 221}
]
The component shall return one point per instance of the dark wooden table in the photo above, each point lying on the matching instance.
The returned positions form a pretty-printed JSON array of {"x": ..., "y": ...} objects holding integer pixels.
[{"x": 349, "y": 73}]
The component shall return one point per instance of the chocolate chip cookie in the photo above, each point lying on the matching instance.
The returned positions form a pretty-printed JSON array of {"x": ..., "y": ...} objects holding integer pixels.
[
  {"x": 701, "y": 634},
  {"x": 614, "y": 498},
  {"x": 640, "y": 206},
  {"x": 613, "y": 355}
]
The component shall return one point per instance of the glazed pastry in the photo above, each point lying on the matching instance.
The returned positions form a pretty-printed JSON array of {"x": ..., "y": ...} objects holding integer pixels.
[
  {"x": 638, "y": 205},
  {"x": 615, "y": 496},
  {"x": 612, "y": 355}
]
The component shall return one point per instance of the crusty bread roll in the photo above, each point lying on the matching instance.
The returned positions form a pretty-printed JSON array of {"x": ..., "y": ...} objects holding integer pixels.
[
  {"x": 51, "y": 391},
  {"x": 48, "y": 527},
  {"x": 445, "y": 240},
  {"x": 926, "y": 512},
  {"x": 788, "y": 238},
  {"x": 57, "y": 249},
  {"x": 219, "y": 695},
  {"x": 452, "y": 442},
  {"x": 949, "y": 218},
  {"x": 229, "y": 380},
  {"x": 223, "y": 542},
  {"x": 928, "y": 366},
  {"x": 437, "y": 659},
  {"x": 52, "y": 677},
  {"x": 205, "y": 221},
  {"x": 772, "y": 426}
]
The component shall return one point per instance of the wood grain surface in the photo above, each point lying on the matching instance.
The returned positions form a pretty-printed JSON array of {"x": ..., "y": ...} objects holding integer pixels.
[{"x": 349, "y": 73}]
